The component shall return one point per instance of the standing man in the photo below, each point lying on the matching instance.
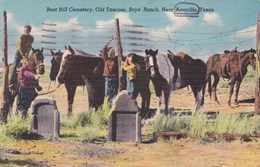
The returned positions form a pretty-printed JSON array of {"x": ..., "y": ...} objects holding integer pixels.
[
  {"x": 110, "y": 71},
  {"x": 23, "y": 49}
]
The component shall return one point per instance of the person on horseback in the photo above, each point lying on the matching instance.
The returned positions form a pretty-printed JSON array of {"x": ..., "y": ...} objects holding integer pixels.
[
  {"x": 23, "y": 49},
  {"x": 110, "y": 71},
  {"x": 131, "y": 67},
  {"x": 28, "y": 82}
]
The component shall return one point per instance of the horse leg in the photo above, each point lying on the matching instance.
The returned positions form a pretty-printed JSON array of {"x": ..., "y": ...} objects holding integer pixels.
[
  {"x": 99, "y": 92},
  {"x": 214, "y": 87},
  {"x": 158, "y": 87},
  {"x": 71, "y": 94},
  {"x": 11, "y": 102},
  {"x": 90, "y": 92},
  {"x": 146, "y": 95},
  {"x": 198, "y": 95},
  {"x": 231, "y": 90},
  {"x": 208, "y": 79},
  {"x": 238, "y": 83},
  {"x": 166, "y": 93},
  {"x": 159, "y": 103}
]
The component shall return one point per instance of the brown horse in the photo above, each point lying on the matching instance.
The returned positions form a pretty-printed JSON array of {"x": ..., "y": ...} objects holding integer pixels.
[
  {"x": 73, "y": 68},
  {"x": 55, "y": 64},
  {"x": 229, "y": 65},
  {"x": 37, "y": 62},
  {"x": 172, "y": 72}
]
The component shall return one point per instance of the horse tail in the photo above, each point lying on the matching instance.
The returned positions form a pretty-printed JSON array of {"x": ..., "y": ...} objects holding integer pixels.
[
  {"x": 203, "y": 94},
  {"x": 209, "y": 85}
]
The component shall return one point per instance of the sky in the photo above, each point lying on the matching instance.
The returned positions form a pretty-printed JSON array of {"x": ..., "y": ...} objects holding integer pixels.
[{"x": 223, "y": 25}]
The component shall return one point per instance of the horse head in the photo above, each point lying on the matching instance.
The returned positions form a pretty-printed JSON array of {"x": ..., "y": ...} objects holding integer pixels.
[
  {"x": 37, "y": 59},
  {"x": 175, "y": 60},
  {"x": 66, "y": 57},
  {"x": 252, "y": 59},
  {"x": 151, "y": 62},
  {"x": 55, "y": 64}
]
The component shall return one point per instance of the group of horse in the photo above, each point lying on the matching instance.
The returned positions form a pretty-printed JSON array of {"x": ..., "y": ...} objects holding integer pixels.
[{"x": 167, "y": 72}]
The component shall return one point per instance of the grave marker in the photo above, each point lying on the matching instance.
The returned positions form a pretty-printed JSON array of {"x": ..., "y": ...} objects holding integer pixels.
[
  {"x": 45, "y": 118},
  {"x": 124, "y": 120}
]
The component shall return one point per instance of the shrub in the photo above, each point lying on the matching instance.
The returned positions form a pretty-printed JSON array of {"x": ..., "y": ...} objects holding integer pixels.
[
  {"x": 92, "y": 134},
  {"x": 175, "y": 124},
  {"x": 88, "y": 119},
  {"x": 17, "y": 128}
]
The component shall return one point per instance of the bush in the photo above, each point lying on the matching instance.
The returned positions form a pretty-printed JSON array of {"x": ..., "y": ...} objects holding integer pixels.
[
  {"x": 18, "y": 128},
  {"x": 91, "y": 124},
  {"x": 92, "y": 134},
  {"x": 91, "y": 118},
  {"x": 174, "y": 124}
]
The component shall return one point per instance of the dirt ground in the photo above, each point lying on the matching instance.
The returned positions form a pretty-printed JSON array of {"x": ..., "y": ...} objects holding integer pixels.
[
  {"x": 184, "y": 152},
  {"x": 68, "y": 151}
]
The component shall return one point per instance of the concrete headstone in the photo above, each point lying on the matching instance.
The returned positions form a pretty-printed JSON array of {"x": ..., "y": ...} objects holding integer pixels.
[
  {"x": 45, "y": 118},
  {"x": 124, "y": 120}
]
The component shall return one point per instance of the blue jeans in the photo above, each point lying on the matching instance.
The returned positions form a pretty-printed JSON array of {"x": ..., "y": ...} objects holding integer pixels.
[
  {"x": 25, "y": 98},
  {"x": 17, "y": 59},
  {"x": 132, "y": 87},
  {"x": 111, "y": 87}
]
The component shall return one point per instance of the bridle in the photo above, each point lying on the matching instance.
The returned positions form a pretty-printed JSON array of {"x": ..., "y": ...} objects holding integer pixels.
[
  {"x": 150, "y": 60},
  {"x": 251, "y": 61},
  {"x": 35, "y": 61}
]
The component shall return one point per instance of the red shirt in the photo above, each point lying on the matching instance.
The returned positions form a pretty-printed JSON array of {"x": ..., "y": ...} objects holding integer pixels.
[
  {"x": 110, "y": 64},
  {"x": 26, "y": 77}
]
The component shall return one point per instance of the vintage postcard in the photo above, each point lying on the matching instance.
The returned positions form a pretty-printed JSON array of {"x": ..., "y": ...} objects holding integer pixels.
[{"x": 129, "y": 83}]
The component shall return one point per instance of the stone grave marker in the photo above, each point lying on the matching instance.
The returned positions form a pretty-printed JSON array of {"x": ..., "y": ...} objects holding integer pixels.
[
  {"x": 45, "y": 118},
  {"x": 124, "y": 120}
]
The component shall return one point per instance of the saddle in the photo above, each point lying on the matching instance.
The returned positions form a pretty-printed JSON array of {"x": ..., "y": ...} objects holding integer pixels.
[{"x": 225, "y": 62}]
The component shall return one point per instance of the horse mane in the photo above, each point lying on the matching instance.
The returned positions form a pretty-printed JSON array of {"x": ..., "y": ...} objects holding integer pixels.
[
  {"x": 184, "y": 56},
  {"x": 82, "y": 53}
]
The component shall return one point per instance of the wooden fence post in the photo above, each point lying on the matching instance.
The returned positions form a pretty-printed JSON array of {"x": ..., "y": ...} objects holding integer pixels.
[
  {"x": 257, "y": 88},
  {"x": 5, "y": 101},
  {"x": 119, "y": 53}
]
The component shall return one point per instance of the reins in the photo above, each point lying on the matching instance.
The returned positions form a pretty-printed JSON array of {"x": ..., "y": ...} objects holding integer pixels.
[{"x": 40, "y": 94}]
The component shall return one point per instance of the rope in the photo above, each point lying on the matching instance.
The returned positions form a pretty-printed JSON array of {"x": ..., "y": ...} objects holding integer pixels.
[
  {"x": 40, "y": 94},
  {"x": 49, "y": 86}
]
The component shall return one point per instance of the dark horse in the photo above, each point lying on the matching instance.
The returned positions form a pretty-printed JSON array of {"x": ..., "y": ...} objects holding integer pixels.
[
  {"x": 86, "y": 67},
  {"x": 73, "y": 68},
  {"x": 37, "y": 59},
  {"x": 235, "y": 68},
  {"x": 172, "y": 72}
]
